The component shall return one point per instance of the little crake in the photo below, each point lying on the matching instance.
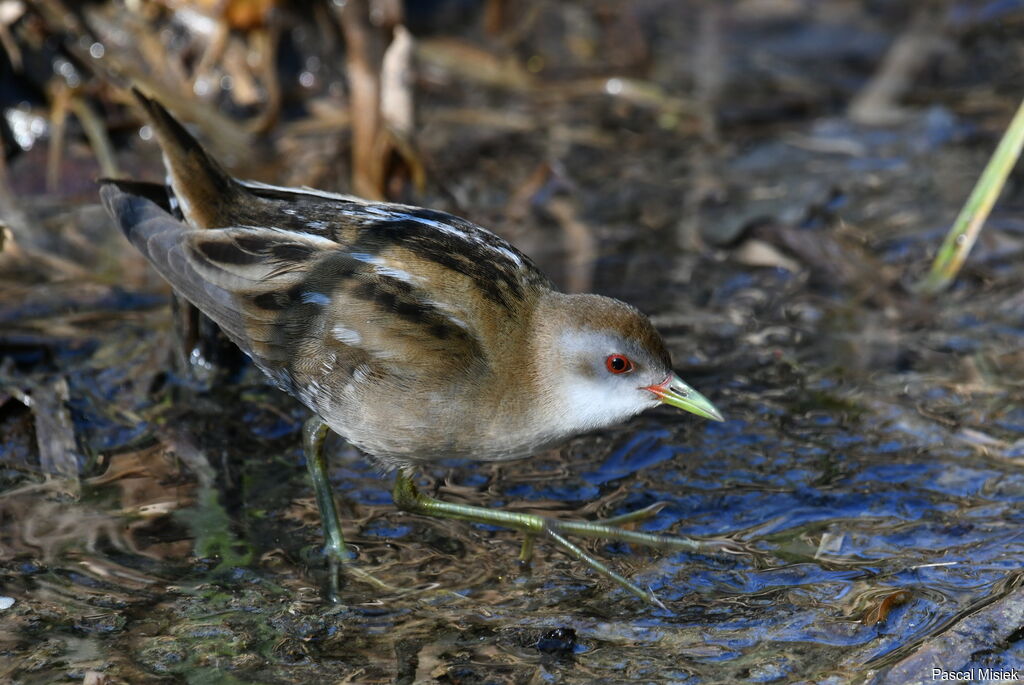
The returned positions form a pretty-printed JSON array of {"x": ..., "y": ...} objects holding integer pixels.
[{"x": 413, "y": 334}]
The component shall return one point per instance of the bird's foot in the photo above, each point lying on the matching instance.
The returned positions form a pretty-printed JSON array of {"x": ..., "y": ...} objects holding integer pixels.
[
  {"x": 314, "y": 433},
  {"x": 409, "y": 498}
]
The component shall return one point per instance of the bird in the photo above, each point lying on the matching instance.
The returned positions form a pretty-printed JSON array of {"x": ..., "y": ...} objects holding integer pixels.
[{"x": 413, "y": 334}]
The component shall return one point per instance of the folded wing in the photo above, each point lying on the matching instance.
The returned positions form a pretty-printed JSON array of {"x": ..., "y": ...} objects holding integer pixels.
[{"x": 300, "y": 304}]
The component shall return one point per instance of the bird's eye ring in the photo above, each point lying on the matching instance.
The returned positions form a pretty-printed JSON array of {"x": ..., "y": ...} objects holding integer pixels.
[{"x": 618, "y": 363}]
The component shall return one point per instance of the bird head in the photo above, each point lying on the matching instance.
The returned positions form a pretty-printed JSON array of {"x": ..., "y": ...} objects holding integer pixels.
[{"x": 602, "y": 362}]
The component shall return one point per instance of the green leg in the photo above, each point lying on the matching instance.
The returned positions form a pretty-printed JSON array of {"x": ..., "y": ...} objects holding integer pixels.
[
  {"x": 314, "y": 432},
  {"x": 526, "y": 551},
  {"x": 409, "y": 498}
]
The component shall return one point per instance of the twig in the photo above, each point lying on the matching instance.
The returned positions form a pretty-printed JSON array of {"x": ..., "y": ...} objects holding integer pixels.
[
  {"x": 96, "y": 132},
  {"x": 877, "y": 102},
  {"x": 365, "y": 53}
]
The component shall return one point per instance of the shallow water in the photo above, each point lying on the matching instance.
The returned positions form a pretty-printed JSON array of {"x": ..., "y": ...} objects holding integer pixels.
[{"x": 153, "y": 526}]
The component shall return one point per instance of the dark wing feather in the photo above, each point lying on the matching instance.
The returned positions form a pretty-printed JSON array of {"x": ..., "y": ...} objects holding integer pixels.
[
  {"x": 154, "y": 192},
  {"x": 300, "y": 304}
]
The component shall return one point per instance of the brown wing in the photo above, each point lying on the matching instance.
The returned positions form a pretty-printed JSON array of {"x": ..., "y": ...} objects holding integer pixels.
[{"x": 297, "y": 302}]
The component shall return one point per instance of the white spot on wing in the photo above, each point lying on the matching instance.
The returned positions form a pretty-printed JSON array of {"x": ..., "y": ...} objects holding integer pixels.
[
  {"x": 508, "y": 253},
  {"x": 318, "y": 240},
  {"x": 448, "y": 229},
  {"x": 346, "y": 335},
  {"x": 472, "y": 234},
  {"x": 451, "y": 313},
  {"x": 316, "y": 298},
  {"x": 398, "y": 274},
  {"x": 327, "y": 363},
  {"x": 382, "y": 267},
  {"x": 361, "y": 373}
]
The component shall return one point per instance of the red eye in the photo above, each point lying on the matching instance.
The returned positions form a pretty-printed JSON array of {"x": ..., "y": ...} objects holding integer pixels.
[{"x": 618, "y": 363}]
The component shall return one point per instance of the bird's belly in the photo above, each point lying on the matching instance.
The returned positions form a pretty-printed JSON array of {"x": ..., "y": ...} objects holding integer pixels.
[
  {"x": 393, "y": 445},
  {"x": 402, "y": 425}
]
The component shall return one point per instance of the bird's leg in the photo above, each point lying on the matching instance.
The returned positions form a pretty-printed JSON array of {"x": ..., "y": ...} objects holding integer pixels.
[
  {"x": 526, "y": 551},
  {"x": 314, "y": 433},
  {"x": 409, "y": 498}
]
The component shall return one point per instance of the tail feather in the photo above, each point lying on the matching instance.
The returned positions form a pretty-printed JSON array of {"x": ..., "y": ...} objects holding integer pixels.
[
  {"x": 163, "y": 240},
  {"x": 154, "y": 192},
  {"x": 204, "y": 190}
]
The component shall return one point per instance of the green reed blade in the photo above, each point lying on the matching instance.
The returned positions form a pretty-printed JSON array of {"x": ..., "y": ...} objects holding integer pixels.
[{"x": 972, "y": 216}]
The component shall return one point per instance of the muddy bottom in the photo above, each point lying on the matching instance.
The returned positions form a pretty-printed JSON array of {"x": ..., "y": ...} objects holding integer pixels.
[{"x": 157, "y": 524}]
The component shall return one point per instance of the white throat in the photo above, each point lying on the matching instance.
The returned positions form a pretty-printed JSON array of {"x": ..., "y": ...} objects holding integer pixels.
[{"x": 580, "y": 401}]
